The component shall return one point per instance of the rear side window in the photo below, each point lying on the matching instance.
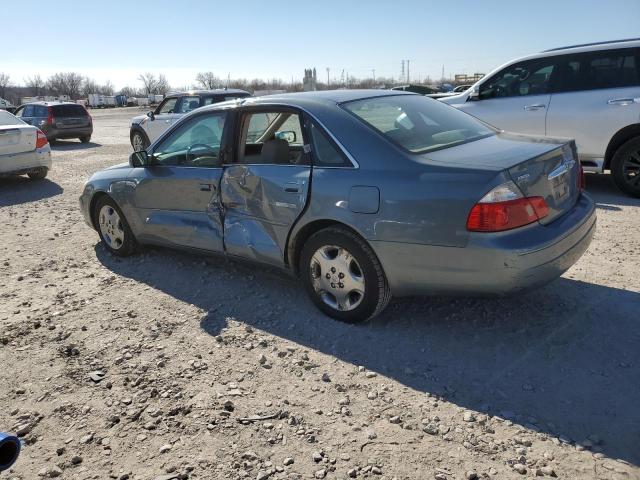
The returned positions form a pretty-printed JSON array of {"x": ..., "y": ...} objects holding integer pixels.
[
  {"x": 598, "y": 70},
  {"x": 41, "y": 111},
  {"x": 69, "y": 111},
  {"x": 325, "y": 153}
]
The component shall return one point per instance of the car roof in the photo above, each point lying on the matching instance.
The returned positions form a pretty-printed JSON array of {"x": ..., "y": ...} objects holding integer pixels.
[
  {"x": 217, "y": 91},
  {"x": 50, "y": 104}
]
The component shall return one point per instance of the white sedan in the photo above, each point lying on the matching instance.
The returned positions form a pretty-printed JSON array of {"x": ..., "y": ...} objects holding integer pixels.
[{"x": 24, "y": 149}]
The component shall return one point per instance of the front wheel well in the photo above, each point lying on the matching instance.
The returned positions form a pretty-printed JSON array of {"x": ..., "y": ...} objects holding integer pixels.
[
  {"x": 620, "y": 138},
  {"x": 92, "y": 207},
  {"x": 296, "y": 244}
]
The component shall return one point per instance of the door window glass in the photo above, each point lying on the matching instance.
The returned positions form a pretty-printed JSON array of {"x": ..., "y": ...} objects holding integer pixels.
[
  {"x": 271, "y": 138},
  {"x": 194, "y": 144},
  {"x": 168, "y": 106},
  {"x": 326, "y": 154},
  {"x": 527, "y": 78},
  {"x": 598, "y": 70},
  {"x": 188, "y": 104}
]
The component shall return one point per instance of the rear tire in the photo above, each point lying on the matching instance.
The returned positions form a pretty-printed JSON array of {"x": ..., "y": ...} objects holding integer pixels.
[
  {"x": 112, "y": 226},
  {"x": 343, "y": 276},
  {"x": 85, "y": 139},
  {"x": 625, "y": 167},
  {"x": 38, "y": 174}
]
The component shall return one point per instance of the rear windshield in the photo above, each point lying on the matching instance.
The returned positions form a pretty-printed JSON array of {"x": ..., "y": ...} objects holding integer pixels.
[
  {"x": 7, "y": 119},
  {"x": 69, "y": 111},
  {"x": 416, "y": 123}
]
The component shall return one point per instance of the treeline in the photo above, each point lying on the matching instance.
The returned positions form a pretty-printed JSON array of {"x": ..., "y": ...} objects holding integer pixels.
[{"x": 75, "y": 85}]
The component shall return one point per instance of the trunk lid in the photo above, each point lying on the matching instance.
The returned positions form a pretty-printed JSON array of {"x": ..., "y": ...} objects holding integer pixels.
[
  {"x": 554, "y": 176},
  {"x": 543, "y": 167},
  {"x": 17, "y": 139}
]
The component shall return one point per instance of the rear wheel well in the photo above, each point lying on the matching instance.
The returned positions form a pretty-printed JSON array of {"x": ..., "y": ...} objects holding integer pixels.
[
  {"x": 92, "y": 207},
  {"x": 295, "y": 246},
  {"x": 620, "y": 138}
]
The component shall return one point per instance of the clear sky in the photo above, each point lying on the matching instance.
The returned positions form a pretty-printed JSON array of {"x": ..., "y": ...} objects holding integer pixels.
[{"x": 118, "y": 39}]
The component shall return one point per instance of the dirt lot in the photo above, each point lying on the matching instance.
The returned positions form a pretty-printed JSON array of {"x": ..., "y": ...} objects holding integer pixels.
[{"x": 215, "y": 369}]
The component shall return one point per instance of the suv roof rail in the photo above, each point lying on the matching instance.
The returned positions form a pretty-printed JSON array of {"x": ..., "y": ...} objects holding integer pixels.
[{"x": 592, "y": 44}]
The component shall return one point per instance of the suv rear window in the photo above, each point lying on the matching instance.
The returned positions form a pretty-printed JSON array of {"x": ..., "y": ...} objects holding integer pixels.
[
  {"x": 69, "y": 111},
  {"x": 598, "y": 70}
]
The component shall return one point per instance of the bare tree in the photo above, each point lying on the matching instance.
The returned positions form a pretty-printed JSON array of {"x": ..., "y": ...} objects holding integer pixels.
[
  {"x": 89, "y": 86},
  {"x": 36, "y": 84},
  {"x": 5, "y": 81},
  {"x": 129, "y": 91},
  {"x": 208, "y": 80},
  {"x": 149, "y": 82},
  {"x": 107, "y": 88},
  {"x": 66, "y": 83},
  {"x": 162, "y": 86}
]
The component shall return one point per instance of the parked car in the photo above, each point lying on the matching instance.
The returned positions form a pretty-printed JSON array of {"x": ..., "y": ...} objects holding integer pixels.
[
  {"x": 362, "y": 194},
  {"x": 421, "y": 89},
  {"x": 461, "y": 88},
  {"x": 590, "y": 93},
  {"x": 145, "y": 129},
  {"x": 24, "y": 149},
  {"x": 58, "y": 120}
]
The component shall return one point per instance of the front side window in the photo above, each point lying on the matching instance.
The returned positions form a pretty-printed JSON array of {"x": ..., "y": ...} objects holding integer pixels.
[
  {"x": 271, "y": 138},
  {"x": 416, "y": 123},
  {"x": 526, "y": 78},
  {"x": 187, "y": 104},
  {"x": 598, "y": 70},
  {"x": 168, "y": 106},
  {"x": 195, "y": 143}
]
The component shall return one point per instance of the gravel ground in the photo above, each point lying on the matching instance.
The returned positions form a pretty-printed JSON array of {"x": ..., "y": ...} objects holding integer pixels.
[{"x": 168, "y": 365}]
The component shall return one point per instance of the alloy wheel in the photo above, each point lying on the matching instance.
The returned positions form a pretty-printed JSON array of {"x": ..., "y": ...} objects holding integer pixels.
[
  {"x": 337, "y": 277},
  {"x": 631, "y": 169},
  {"x": 111, "y": 227},
  {"x": 138, "y": 142}
]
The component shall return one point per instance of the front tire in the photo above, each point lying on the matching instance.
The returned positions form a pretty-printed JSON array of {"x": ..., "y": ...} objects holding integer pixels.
[
  {"x": 86, "y": 139},
  {"x": 138, "y": 141},
  {"x": 625, "y": 167},
  {"x": 114, "y": 231},
  {"x": 343, "y": 276}
]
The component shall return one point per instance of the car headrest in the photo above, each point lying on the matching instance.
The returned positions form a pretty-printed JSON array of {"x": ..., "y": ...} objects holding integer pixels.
[{"x": 275, "y": 151}]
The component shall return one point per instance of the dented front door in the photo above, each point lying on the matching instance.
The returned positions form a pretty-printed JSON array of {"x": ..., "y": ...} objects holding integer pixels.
[{"x": 261, "y": 203}]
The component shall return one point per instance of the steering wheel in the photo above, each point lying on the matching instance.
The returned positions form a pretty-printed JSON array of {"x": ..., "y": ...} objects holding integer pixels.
[{"x": 204, "y": 148}]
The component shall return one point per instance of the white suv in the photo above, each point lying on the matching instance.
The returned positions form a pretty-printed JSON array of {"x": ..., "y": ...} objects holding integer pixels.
[
  {"x": 590, "y": 93},
  {"x": 145, "y": 129}
]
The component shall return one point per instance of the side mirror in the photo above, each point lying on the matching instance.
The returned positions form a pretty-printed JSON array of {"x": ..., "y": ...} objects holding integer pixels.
[
  {"x": 288, "y": 135},
  {"x": 139, "y": 159},
  {"x": 151, "y": 115},
  {"x": 474, "y": 95}
]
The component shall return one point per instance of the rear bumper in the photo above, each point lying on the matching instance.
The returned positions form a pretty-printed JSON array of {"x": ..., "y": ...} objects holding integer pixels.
[
  {"x": 20, "y": 163},
  {"x": 498, "y": 263},
  {"x": 55, "y": 133}
]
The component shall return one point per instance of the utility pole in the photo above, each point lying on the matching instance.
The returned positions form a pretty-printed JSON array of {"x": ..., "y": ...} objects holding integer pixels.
[
  {"x": 402, "y": 74},
  {"x": 408, "y": 81},
  {"x": 373, "y": 70},
  {"x": 442, "y": 79}
]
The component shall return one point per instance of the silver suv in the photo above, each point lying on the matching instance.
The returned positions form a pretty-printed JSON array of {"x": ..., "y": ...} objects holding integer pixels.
[
  {"x": 590, "y": 93},
  {"x": 145, "y": 129}
]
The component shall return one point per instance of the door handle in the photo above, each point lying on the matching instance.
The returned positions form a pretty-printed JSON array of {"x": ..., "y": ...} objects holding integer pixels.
[
  {"x": 623, "y": 101},
  {"x": 535, "y": 106},
  {"x": 292, "y": 187},
  {"x": 205, "y": 187}
]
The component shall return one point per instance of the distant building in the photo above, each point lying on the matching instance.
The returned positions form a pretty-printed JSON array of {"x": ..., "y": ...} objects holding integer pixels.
[
  {"x": 464, "y": 78},
  {"x": 310, "y": 81}
]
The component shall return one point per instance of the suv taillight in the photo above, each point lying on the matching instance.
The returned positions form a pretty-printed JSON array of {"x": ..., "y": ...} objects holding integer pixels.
[
  {"x": 41, "y": 139},
  {"x": 505, "y": 208},
  {"x": 50, "y": 115}
]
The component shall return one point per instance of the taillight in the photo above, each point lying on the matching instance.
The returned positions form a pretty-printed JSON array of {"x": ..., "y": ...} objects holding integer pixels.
[
  {"x": 50, "y": 115},
  {"x": 505, "y": 208},
  {"x": 41, "y": 139}
]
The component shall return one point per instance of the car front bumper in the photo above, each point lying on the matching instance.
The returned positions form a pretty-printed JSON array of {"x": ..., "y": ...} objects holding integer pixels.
[
  {"x": 496, "y": 263},
  {"x": 20, "y": 163}
]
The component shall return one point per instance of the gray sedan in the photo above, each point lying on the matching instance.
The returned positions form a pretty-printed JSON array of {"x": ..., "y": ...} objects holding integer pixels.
[{"x": 360, "y": 194}]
